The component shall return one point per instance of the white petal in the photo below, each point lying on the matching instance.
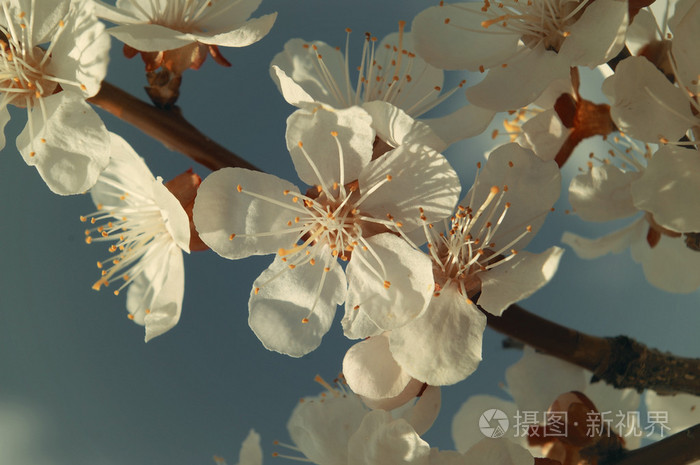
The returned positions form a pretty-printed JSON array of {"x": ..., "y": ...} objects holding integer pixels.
[
  {"x": 80, "y": 54},
  {"x": 598, "y": 35},
  {"x": 300, "y": 64},
  {"x": 683, "y": 409},
  {"x": 498, "y": 452},
  {"x": 641, "y": 31},
  {"x": 425, "y": 411},
  {"x": 115, "y": 14},
  {"x": 533, "y": 187},
  {"x": 351, "y": 149},
  {"x": 670, "y": 265},
  {"x": 468, "y": 121},
  {"x": 669, "y": 189},
  {"x": 76, "y": 148},
  {"x": 251, "y": 453},
  {"x": 524, "y": 380},
  {"x": 443, "y": 345},
  {"x": 419, "y": 178},
  {"x": 685, "y": 50},
  {"x": 603, "y": 193},
  {"x": 517, "y": 279},
  {"x": 321, "y": 427},
  {"x": 521, "y": 82},
  {"x": 125, "y": 168},
  {"x": 418, "y": 93},
  {"x": 222, "y": 16},
  {"x": 176, "y": 220},
  {"x": 461, "y": 42},
  {"x": 644, "y": 104},
  {"x": 155, "y": 296},
  {"x": 248, "y": 33},
  {"x": 150, "y": 37},
  {"x": 381, "y": 440},
  {"x": 398, "y": 402},
  {"x": 4, "y": 119},
  {"x": 391, "y": 282},
  {"x": 545, "y": 134},
  {"x": 465, "y": 425},
  {"x": 221, "y": 210},
  {"x": 395, "y": 127},
  {"x": 371, "y": 371},
  {"x": 614, "y": 242},
  {"x": 292, "y": 92},
  {"x": 282, "y": 299}
]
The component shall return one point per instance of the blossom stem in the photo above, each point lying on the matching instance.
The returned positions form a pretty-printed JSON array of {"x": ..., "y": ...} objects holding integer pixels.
[
  {"x": 619, "y": 361},
  {"x": 678, "y": 449},
  {"x": 168, "y": 127}
]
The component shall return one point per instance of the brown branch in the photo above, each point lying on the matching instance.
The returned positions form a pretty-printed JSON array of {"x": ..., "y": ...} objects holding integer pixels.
[
  {"x": 679, "y": 449},
  {"x": 167, "y": 126},
  {"x": 619, "y": 361}
]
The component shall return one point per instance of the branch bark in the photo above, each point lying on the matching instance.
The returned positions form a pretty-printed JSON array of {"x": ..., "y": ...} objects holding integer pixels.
[
  {"x": 619, "y": 361},
  {"x": 679, "y": 449},
  {"x": 168, "y": 127}
]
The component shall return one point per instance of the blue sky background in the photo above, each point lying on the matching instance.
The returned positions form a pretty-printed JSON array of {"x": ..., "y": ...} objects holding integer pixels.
[{"x": 79, "y": 386}]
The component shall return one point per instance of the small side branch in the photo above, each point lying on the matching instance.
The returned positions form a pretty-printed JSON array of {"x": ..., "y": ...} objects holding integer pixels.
[
  {"x": 168, "y": 127},
  {"x": 619, "y": 361},
  {"x": 679, "y": 449}
]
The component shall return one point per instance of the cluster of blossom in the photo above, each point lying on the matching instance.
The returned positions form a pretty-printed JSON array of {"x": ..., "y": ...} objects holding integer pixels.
[{"x": 379, "y": 228}]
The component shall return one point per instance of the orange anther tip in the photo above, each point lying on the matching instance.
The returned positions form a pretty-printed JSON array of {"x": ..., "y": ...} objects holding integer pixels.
[
  {"x": 239, "y": 188},
  {"x": 447, "y": 20},
  {"x": 256, "y": 290},
  {"x": 529, "y": 228},
  {"x": 510, "y": 164},
  {"x": 304, "y": 320},
  {"x": 230, "y": 238},
  {"x": 334, "y": 133},
  {"x": 130, "y": 316},
  {"x": 495, "y": 189},
  {"x": 387, "y": 284},
  {"x": 117, "y": 293},
  {"x": 348, "y": 30}
]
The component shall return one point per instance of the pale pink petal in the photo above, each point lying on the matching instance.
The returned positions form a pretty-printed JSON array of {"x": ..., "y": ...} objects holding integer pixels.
[
  {"x": 221, "y": 210},
  {"x": 381, "y": 440},
  {"x": 614, "y": 242},
  {"x": 321, "y": 158},
  {"x": 290, "y": 310},
  {"x": 521, "y": 82},
  {"x": 644, "y": 104},
  {"x": 598, "y": 35},
  {"x": 372, "y": 372},
  {"x": 443, "y": 345},
  {"x": 603, "y": 193},
  {"x": 465, "y": 425},
  {"x": 390, "y": 281},
  {"x": 411, "y": 177},
  {"x": 70, "y": 147},
  {"x": 517, "y": 279},
  {"x": 245, "y": 34},
  {"x": 451, "y": 36},
  {"x": 669, "y": 189},
  {"x": 525, "y": 380}
]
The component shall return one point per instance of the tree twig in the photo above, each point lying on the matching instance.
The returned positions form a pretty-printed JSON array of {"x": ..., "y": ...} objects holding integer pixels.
[
  {"x": 619, "y": 361},
  {"x": 679, "y": 449},
  {"x": 168, "y": 127}
]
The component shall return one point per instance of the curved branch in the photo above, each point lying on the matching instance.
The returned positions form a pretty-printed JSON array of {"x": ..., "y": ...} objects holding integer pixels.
[
  {"x": 619, "y": 361},
  {"x": 168, "y": 127},
  {"x": 679, "y": 449}
]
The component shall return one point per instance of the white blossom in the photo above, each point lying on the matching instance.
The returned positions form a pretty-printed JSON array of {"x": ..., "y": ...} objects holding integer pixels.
[
  {"x": 54, "y": 56},
  {"x": 151, "y": 229}
]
